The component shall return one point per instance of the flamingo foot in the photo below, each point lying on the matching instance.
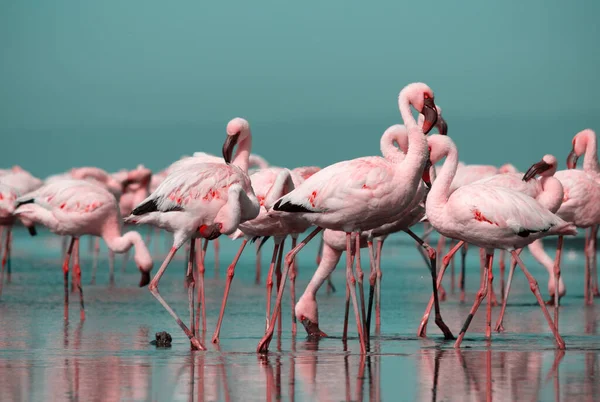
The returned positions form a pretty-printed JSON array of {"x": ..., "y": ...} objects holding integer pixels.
[{"x": 263, "y": 345}]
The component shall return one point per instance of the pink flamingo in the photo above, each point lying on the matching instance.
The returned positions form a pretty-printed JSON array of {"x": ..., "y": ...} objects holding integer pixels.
[
  {"x": 201, "y": 200},
  {"x": 467, "y": 174},
  {"x": 361, "y": 194},
  {"x": 269, "y": 185},
  {"x": 584, "y": 144},
  {"x": 16, "y": 181},
  {"x": 489, "y": 217},
  {"x": 76, "y": 208}
]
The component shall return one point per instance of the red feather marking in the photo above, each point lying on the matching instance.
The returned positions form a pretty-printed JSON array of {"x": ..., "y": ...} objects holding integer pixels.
[
  {"x": 480, "y": 218},
  {"x": 1, "y": 197},
  {"x": 261, "y": 199},
  {"x": 63, "y": 205},
  {"x": 312, "y": 197}
]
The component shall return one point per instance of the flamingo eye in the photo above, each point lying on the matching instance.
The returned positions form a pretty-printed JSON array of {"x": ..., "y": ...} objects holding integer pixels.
[{"x": 426, "y": 95}]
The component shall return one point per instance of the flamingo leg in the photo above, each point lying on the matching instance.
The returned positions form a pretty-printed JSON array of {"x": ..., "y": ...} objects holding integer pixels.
[
  {"x": 258, "y": 264},
  {"x": 153, "y": 287},
  {"x": 293, "y": 274},
  {"x": 440, "y": 251},
  {"x": 361, "y": 291},
  {"x": 422, "y": 331},
  {"x": 8, "y": 254},
  {"x": 66, "y": 276},
  {"x": 95, "y": 256},
  {"x": 556, "y": 279},
  {"x": 378, "y": 286},
  {"x": 216, "y": 247},
  {"x": 432, "y": 256},
  {"x": 372, "y": 281},
  {"x": 230, "y": 274},
  {"x": 111, "y": 267},
  {"x": 263, "y": 345},
  {"x": 463, "y": 266},
  {"x": 201, "y": 305},
  {"x": 277, "y": 256},
  {"x": 3, "y": 260},
  {"x": 452, "y": 281},
  {"x": 594, "y": 240},
  {"x": 77, "y": 274},
  {"x": 190, "y": 283},
  {"x": 488, "y": 320},
  {"x": 502, "y": 264},
  {"x": 535, "y": 289},
  {"x": 481, "y": 294},
  {"x": 278, "y": 277},
  {"x": 330, "y": 285},
  {"x": 352, "y": 286},
  {"x": 347, "y": 310},
  {"x": 511, "y": 272}
]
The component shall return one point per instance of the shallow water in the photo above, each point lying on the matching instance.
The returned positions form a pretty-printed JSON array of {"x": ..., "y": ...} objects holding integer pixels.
[{"x": 108, "y": 356}]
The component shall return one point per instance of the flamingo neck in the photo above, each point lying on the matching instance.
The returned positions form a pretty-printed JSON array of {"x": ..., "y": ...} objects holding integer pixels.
[
  {"x": 121, "y": 244},
  {"x": 393, "y": 143},
  {"x": 414, "y": 162},
  {"x": 329, "y": 261},
  {"x": 590, "y": 159},
  {"x": 242, "y": 153},
  {"x": 552, "y": 193},
  {"x": 440, "y": 190}
]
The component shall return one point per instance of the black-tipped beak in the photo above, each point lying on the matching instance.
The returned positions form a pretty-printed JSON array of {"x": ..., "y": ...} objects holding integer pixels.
[
  {"x": 535, "y": 169},
  {"x": 442, "y": 126},
  {"x": 430, "y": 113},
  {"x": 572, "y": 160},
  {"x": 145, "y": 279},
  {"x": 426, "y": 176},
  {"x": 312, "y": 329},
  {"x": 229, "y": 145},
  {"x": 32, "y": 231}
]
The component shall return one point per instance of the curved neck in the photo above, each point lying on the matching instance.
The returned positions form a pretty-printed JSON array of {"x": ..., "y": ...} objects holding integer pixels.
[
  {"x": 590, "y": 159},
  {"x": 120, "y": 244},
  {"x": 552, "y": 193},
  {"x": 440, "y": 190},
  {"x": 393, "y": 143},
  {"x": 417, "y": 153},
  {"x": 327, "y": 265},
  {"x": 242, "y": 153}
]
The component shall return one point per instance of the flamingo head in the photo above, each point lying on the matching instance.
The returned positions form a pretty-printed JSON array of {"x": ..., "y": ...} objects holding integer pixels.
[
  {"x": 143, "y": 260},
  {"x": 422, "y": 99},
  {"x": 307, "y": 313},
  {"x": 580, "y": 142},
  {"x": 238, "y": 129},
  {"x": 545, "y": 167}
]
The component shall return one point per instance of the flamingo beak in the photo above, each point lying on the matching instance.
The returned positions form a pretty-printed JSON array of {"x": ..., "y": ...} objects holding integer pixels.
[
  {"x": 442, "y": 126},
  {"x": 312, "y": 329},
  {"x": 431, "y": 115},
  {"x": 535, "y": 169},
  {"x": 426, "y": 176},
  {"x": 572, "y": 160},
  {"x": 229, "y": 145},
  {"x": 145, "y": 279}
]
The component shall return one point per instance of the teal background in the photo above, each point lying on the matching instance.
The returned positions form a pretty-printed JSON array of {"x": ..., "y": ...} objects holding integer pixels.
[{"x": 114, "y": 83}]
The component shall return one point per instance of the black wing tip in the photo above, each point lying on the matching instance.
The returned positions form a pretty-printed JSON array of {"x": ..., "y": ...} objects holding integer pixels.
[
  {"x": 25, "y": 202},
  {"x": 32, "y": 231},
  {"x": 263, "y": 241},
  {"x": 289, "y": 207},
  {"x": 527, "y": 232}
]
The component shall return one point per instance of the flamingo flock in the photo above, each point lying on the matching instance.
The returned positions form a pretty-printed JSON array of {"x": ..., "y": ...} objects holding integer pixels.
[{"x": 355, "y": 203}]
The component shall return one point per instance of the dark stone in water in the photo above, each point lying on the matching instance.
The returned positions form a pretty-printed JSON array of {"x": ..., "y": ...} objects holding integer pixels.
[{"x": 163, "y": 340}]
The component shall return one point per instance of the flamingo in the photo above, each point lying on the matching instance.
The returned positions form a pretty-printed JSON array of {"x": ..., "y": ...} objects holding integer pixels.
[
  {"x": 15, "y": 181},
  {"x": 361, "y": 194},
  {"x": 269, "y": 185},
  {"x": 490, "y": 217},
  {"x": 76, "y": 208},
  {"x": 201, "y": 200},
  {"x": 584, "y": 144}
]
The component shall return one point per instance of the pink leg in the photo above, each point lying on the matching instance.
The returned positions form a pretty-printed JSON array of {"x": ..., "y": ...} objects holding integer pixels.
[
  {"x": 463, "y": 265},
  {"x": 502, "y": 271},
  {"x": 277, "y": 256},
  {"x": 513, "y": 265},
  {"x": 556, "y": 279},
  {"x": 3, "y": 259},
  {"x": 95, "y": 260},
  {"x": 352, "y": 283},
  {"x": 278, "y": 277},
  {"x": 6, "y": 250},
  {"x": 230, "y": 274},
  {"x": 201, "y": 305},
  {"x": 452, "y": 283},
  {"x": 488, "y": 321},
  {"x": 9, "y": 239},
  {"x": 483, "y": 291},
  {"x": 586, "y": 279},
  {"x": 190, "y": 283},
  {"x": 594, "y": 239},
  {"x": 66, "y": 276},
  {"x": 440, "y": 251},
  {"x": 293, "y": 287},
  {"x": 258, "y": 263},
  {"x": 111, "y": 267},
  {"x": 77, "y": 274},
  {"x": 378, "y": 286},
  {"x": 153, "y": 287},
  {"x": 422, "y": 331},
  {"x": 263, "y": 345},
  {"x": 361, "y": 291},
  {"x": 347, "y": 309},
  {"x": 533, "y": 285},
  {"x": 216, "y": 247},
  {"x": 433, "y": 263},
  {"x": 372, "y": 281}
]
